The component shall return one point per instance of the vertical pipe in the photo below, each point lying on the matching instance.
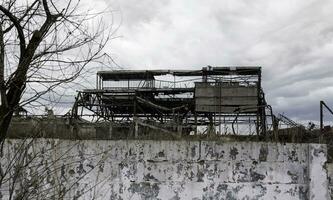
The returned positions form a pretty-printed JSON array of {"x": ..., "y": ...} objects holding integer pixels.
[
  {"x": 259, "y": 103},
  {"x": 250, "y": 130},
  {"x": 321, "y": 116},
  {"x": 196, "y": 123},
  {"x": 220, "y": 107},
  {"x": 135, "y": 119},
  {"x": 97, "y": 81}
]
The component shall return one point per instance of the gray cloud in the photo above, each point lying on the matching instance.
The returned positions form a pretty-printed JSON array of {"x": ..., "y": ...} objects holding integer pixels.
[{"x": 292, "y": 40}]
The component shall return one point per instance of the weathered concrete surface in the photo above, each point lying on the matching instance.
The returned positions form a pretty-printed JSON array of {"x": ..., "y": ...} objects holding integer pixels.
[
  {"x": 318, "y": 172},
  {"x": 329, "y": 167},
  {"x": 146, "y": 169}
]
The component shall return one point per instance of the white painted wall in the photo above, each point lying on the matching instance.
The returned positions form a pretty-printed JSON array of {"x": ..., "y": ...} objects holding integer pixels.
[{"x": 147, "y": 169}]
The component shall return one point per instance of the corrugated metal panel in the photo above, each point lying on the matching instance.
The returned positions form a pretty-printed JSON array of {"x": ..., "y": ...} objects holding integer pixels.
[
  {"x": 225, "y": 98},
  {"x": 225, "y": 109}
]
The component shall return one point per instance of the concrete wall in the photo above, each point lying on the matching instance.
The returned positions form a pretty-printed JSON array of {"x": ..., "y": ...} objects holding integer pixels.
[
  {"x": 146, "y": 169},
  {"x": 329, "y": 167}
]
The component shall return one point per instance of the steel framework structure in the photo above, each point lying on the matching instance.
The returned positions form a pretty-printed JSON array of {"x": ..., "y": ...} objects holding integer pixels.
[{"x": 212, "y": 98}]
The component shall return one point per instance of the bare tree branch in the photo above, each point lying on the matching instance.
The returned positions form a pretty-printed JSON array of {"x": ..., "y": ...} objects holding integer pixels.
[
  {"x": 18, "y": 27},
  {"x": 45, "y": 44}
]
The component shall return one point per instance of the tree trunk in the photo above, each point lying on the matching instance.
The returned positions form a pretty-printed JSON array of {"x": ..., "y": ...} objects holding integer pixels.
[
  {"x": 6, "y": 112},
  {"x": 6, "y": 115}
]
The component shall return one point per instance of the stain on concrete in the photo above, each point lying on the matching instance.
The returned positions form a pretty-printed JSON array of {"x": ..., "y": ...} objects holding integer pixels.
[
  {"x": 318, "y": 151},
  {"x": 222, "y": 187},
  {"x": 255, "y": 177},
  {"x": 149, "y": 177},
  {"x": 293, "y": 176},
  {"x": 176, "y": 197},
  {"x": 262, "y": 190},
  {"x": 161, "y": 154},
  {"x": 146, "y": 190},
  {"x": 263, "y": 153},
  {"x": 193, "y": 151},
  {"x": 200, "y": 176},
  {"x": 230, "y": 196},
  {"x": 179, "y": 168},
  {"x": 141, "y": 171},
  {"x": 303, "y": 193},
  {"x": 233, "y": 153}
]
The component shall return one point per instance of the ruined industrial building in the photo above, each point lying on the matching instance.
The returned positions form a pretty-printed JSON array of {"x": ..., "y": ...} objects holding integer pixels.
[{"x": 175, "y": 134}]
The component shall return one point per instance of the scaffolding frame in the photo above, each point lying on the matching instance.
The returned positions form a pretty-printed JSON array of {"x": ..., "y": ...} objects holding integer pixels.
[{"x": 173, "y": 106}]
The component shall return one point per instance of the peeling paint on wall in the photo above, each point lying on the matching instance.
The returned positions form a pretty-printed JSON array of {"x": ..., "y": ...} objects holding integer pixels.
[
  {"x": 146, "y": 169},
  {"x": 329, "y": 168}
]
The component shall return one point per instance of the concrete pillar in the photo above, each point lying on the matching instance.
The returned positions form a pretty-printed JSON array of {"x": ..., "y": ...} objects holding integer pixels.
[
  {"x": 110, "y": 131},
  {"x": 179, "y": 130},
  {"x": 136, "y": 127},
  {"x": 318, "y": 186}
]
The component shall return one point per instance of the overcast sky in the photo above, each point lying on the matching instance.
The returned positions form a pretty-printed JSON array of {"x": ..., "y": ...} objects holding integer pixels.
[{"x": 291, "y": 40}]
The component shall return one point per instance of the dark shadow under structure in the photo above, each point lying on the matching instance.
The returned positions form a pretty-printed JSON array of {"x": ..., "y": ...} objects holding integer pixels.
[{"x": 212, "y": 100}]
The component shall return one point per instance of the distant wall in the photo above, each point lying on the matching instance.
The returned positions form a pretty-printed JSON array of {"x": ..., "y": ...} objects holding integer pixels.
[
  {"x": 147, "y": 169},
  {"x": 64, "y": 128}
]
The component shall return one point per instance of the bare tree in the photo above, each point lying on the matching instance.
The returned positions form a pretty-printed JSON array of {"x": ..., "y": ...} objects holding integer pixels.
[
  {"x": 35, "y": 168},
  {"x": 43, "y": 44}
]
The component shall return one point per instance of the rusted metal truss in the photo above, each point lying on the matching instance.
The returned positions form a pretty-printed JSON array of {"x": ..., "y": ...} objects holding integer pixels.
[
  {"x": 214, "y": 99},
  {"x": 322, "y": 106}
]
